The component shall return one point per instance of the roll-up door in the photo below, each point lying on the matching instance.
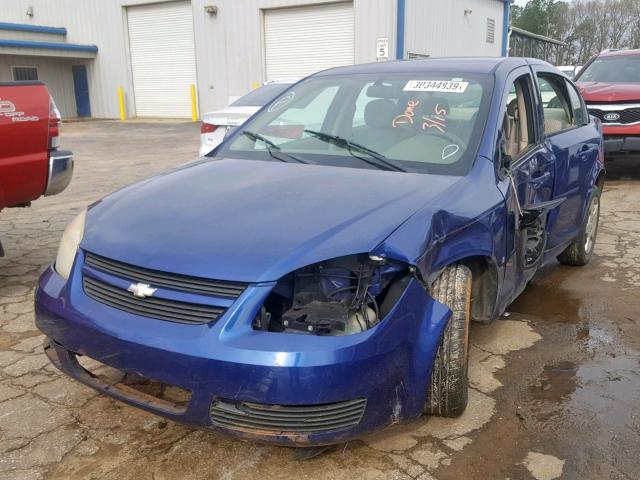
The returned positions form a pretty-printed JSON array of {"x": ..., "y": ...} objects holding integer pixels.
[
  {"x": 299, "y": 41},
  {"x": 162, "y": 58}
]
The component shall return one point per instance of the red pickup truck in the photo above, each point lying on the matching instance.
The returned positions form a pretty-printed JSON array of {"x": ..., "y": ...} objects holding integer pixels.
[
  {"x": 610, "y": 84},
  {"x": 31, "y": 165}
]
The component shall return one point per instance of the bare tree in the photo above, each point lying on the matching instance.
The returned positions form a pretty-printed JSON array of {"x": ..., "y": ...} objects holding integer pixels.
[{"x": 585, "y": 26}]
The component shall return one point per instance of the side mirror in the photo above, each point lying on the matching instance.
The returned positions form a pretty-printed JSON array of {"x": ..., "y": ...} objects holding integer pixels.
[{"x": 505, "y": 159}]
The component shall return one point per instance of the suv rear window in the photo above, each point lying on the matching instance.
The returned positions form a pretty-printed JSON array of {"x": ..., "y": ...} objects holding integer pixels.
[{"x": 615, "y": 69}]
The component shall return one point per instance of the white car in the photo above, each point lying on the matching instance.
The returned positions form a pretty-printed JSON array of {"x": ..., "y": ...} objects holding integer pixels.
[
  {"x": 216, "y": 125},
  {"x": 570, "y": 70}
]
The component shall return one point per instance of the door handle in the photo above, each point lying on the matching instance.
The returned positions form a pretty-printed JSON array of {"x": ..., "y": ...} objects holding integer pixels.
[{"x": 584, "y": 152}]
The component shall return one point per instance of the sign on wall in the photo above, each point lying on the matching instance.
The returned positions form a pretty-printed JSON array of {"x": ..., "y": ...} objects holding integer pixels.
[{"x": 382, "y": 49}]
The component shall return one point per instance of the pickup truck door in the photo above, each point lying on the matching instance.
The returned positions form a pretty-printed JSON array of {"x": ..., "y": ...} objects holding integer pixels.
[
  {"x": 574, "y": 142},
  {"x": 525, "y": 170},
  {"x": 24, "y": 136}
]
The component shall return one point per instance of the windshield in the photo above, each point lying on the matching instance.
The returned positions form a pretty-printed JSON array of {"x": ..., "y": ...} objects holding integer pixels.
[
  {"x": 420, "y": 122},
  {"x": 261, "y": 96},
  {"x": 618, "y": 69}
]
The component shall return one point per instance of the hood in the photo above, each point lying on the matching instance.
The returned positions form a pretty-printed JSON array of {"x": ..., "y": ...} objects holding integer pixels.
[
  {"x": 610, "y": 92},
  {"x": 231, "y": 116},
  {"x": 246, "y": 220}
]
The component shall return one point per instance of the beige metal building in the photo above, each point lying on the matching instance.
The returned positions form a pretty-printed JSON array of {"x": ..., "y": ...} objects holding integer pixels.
[{"x": 155, "y": 50}]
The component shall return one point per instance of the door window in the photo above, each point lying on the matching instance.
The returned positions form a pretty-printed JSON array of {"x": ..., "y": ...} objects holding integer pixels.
[
  {"x": 558, "y": 113},
  {"x": 580, "y": 115},
  {"x": 518, "y": 133}
]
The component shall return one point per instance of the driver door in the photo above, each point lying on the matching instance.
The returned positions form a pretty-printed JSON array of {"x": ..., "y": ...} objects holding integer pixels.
[{"x": 526, "y": 173}]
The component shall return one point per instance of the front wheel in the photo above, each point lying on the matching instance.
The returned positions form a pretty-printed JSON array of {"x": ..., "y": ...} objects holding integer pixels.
[
  {"x": 447, "y": 394},
  {"x": 580, "y": 251}
]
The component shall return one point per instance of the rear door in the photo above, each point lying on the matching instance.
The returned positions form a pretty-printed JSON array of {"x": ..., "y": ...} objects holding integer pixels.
[
  {"x": 526, "y": 171},
  {"x": 574, "y": 143},
  {"x": 24, "y": 117}
]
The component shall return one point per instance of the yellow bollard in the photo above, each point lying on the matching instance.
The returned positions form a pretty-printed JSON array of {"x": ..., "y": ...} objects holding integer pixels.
[
  {"x": 194, "y": 104},
  {"x": 123, "y": 112}
]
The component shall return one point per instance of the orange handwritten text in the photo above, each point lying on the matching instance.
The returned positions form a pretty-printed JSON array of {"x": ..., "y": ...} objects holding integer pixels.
[
  {"x": 407, "y": 116},
  {"x": 438, "y": 121}
]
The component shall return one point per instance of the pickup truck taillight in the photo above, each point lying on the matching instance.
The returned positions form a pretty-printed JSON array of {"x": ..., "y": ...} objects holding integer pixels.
[
  {"x": 207, "y": 128},
  {"x": 54, "y": 125}
]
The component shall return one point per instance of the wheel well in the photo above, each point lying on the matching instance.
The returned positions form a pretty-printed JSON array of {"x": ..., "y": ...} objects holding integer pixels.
[
  {"x": 600, "y": 180},
  {"x": 484, "y": 287}
]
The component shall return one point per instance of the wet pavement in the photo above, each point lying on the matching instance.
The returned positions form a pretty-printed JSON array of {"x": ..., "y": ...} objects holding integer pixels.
[{"x": 555, "y": 384}]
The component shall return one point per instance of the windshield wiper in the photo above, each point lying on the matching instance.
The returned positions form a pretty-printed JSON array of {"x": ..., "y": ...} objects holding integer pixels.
[
  {"x": 271, "y": 147},
  {"x": 380, "y": 160}
]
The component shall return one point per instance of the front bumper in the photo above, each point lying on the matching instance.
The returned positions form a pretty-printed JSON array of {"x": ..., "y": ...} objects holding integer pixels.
[
  {"x": 621, "y": 143},
  {"x": 387, "y": 366},
  {"x": 60, "y": 171}
]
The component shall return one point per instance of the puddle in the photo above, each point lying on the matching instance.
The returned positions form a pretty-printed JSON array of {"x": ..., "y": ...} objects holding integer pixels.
[
  {"x": 549, "y": 302},
  {"x": 556, "y": 383}
]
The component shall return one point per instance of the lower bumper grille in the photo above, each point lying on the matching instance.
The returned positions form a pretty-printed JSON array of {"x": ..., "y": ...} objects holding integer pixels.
[
  {"x": 159, "y": 308},
  {"x": 287, "y": 418}
]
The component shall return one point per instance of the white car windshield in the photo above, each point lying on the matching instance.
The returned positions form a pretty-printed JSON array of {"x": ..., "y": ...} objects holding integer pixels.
[
  {"x": 261, "y": 95},
  {"x": 419, "y": 122}
]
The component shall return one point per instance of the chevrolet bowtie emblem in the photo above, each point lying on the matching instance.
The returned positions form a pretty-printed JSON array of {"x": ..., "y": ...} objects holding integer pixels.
[{"x": 141, "y": 290}]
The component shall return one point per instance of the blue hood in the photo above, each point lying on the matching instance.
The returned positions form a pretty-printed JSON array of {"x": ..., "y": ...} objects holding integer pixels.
[{"x": 255, "y": 221}]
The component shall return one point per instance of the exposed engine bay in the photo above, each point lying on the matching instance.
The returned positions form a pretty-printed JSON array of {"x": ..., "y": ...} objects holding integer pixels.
[{"x": 341, "y": 296}]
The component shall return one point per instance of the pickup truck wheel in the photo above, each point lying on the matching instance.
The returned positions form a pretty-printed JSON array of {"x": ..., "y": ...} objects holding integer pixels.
[
  {"x": 447, "y": 393},
  {"x": 580, "y": 251}
]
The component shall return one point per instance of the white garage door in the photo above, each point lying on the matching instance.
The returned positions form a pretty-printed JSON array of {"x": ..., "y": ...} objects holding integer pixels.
[
  {"x": 162, "y": 58},
  {"x": 302, "y": 40}
]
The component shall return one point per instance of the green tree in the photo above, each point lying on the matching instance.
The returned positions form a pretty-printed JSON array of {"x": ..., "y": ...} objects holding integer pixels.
[{"x": 535, "y": 16}]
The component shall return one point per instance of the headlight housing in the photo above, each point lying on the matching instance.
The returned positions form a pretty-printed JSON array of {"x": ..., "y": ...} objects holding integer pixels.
[
  {"x": 342, "y": 296},
  {"x": 69, "y": 245}
]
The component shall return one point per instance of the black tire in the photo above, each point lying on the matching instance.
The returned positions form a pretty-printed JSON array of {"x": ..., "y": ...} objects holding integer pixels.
[
  {"x": 580, "y": 251},
  {"x": 447, "y": 394}
]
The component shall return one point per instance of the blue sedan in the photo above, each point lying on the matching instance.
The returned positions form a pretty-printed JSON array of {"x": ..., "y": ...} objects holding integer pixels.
[{"x": 313, "y": 279}]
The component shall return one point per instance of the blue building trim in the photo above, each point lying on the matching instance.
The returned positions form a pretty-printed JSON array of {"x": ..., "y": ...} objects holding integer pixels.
[
  {"x": 74, "y": 47},
  {"x": 23, "y": 27},
  {"x": 400, "y": 30},
  {"x": 506, "y": 13}
]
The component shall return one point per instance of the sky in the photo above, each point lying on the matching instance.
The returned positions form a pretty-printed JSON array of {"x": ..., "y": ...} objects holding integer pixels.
[{"x": 522, "y": 3}]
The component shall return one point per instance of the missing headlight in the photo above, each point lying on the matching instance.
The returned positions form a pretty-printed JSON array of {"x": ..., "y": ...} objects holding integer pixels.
[{"x": 342, "y": 296}]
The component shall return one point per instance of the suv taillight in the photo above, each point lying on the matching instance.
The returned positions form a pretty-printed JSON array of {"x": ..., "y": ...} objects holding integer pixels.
[
  {"x": 207, "y": 128},
  {"x": 54, "y": 125}
]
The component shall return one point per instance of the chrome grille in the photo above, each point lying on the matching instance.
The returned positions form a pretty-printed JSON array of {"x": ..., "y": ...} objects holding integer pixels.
[
  {"x": 163, "y": 279},
  {"x": 153, "y": 307},
  {"x": 627, "y": 115},
  {"x": 287, "y": 418}
]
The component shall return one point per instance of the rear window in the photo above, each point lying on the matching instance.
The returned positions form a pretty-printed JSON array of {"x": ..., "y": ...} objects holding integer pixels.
[
  {"x": 618, "y": 69},
  {"x": 261, "y": 96}
]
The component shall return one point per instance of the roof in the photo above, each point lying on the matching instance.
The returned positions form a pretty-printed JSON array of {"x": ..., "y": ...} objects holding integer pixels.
[
  {"x": 25, "y": 27},
  {"x": 484, "y": 65},
  {"x": 48, "y": 45},
  {"x": 619, "y": 53},
  {"x": 535, "y": 36}
]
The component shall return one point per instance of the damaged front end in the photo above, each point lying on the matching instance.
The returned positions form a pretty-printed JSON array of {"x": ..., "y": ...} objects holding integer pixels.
[
  {"x": 342, "y": 296},
  {"x": 329, "y": 352}
]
